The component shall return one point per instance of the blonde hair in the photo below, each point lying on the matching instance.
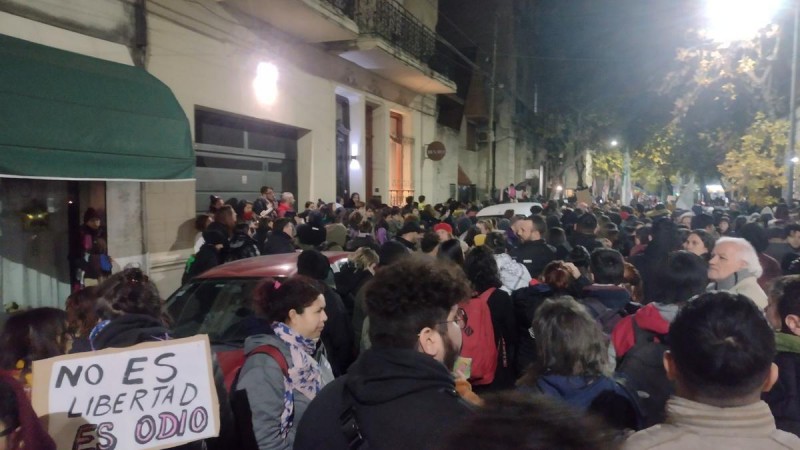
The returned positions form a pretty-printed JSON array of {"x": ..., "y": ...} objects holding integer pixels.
[{"x": 364, "y": 257}]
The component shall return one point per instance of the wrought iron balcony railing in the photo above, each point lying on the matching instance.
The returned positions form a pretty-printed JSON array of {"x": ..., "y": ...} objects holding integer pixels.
[
  {"x": 347, "y": 7},
  {"x": 392, "y": 22}
]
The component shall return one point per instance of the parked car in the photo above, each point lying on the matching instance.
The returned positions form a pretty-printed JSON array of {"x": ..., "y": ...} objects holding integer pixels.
[
  {"x": 497, "y": 211},
  {"x": 218, "y": 302}
]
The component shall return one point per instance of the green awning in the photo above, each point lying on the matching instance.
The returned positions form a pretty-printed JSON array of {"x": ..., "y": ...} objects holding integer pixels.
[{"x": 68, "y": 116}]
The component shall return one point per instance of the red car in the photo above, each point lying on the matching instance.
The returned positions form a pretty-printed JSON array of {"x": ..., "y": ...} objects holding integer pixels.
[{"x": 218, "y": 302}]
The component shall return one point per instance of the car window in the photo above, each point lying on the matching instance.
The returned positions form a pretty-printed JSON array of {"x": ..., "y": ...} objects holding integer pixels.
[{"x": 216, "y": 307}]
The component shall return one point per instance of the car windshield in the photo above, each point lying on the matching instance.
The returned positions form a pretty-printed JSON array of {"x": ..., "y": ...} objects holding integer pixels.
[{"x": 216, "y": 307}]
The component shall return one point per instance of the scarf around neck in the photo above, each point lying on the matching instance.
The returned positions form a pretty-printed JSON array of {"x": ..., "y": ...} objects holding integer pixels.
[
  {"x": 304, "y": 372},
  {"x": 733, "y": 279}
]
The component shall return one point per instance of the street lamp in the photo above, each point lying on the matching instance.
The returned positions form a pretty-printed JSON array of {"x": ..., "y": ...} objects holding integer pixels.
[
  {"x": 738, "y": 20},
  {"x": 626, "y": 193}
]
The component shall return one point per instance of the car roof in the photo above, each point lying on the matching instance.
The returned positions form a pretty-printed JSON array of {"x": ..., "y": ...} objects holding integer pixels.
[
  {"x": 520, "y": 209},
  {"x": 283, "y": 265}
]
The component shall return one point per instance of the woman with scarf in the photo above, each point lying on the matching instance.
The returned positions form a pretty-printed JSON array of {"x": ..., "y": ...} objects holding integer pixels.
[{"x": 295, "y": 310}]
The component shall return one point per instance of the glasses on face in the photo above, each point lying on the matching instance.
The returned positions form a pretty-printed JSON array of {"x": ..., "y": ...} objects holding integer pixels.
[{"x": 460, "y": 320}]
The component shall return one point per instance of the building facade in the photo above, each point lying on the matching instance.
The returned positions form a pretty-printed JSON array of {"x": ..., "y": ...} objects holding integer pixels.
[{"x": 322, "y": 98}]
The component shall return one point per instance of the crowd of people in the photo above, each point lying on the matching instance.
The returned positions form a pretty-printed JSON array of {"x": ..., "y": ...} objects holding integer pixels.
[{"x": 573, "y": 327}]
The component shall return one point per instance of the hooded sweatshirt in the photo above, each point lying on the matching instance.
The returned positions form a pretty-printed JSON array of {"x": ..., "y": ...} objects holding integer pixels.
[
  {"x": 403, "y": 399},
  {"x": 654, "y": 317},
  {"x": 742, "y": 282},
  {"x": 130, "y": 329}
]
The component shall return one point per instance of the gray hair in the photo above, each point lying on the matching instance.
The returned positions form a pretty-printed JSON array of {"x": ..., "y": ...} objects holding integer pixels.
[{"x": 746, "y": 253}]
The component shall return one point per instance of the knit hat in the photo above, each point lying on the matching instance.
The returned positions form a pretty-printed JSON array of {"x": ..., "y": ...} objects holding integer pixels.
[
  {"x": 443, "y": 226},
  {"x": 479, "y": 239}
]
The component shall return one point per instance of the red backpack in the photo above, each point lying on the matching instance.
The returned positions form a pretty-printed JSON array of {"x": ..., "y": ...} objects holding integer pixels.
[{"x": 478, "y": 339}]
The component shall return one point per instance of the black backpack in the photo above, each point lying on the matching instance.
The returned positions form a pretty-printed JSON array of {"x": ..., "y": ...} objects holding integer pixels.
[{"x": 642, "y": 369}]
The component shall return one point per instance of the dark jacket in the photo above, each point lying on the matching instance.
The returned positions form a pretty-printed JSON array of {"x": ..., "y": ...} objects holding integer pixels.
[
  {"x": 349, "y": 281},
  {"x": 409, "y": 245},
  {"x": 403, "y": 399},
  {"x": 277, "y": 243},
  {"x": 526, "y": 301},
  {"x": 242, "y": 246},
  {"x": 602, "y": 396},
  {"x": 534, "y": 255},
  {"x": 784, "y": 397},
  {"x": 207, "y": 258},
  {"x": 338, "y": 333},
  {"x": 312, "y": 234},
  {"x": 589, "y": 241}
]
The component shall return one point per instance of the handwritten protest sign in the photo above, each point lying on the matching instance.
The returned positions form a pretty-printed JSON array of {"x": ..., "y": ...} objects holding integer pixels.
[{"x": 149, "y": 396}]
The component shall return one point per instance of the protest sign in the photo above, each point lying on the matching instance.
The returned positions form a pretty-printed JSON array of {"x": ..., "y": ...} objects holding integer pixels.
[{"x": 149, "y": 396}]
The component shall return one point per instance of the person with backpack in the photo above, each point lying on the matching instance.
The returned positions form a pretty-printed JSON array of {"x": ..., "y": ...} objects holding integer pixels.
[
  {"x": 490, "y": 340},
  {"x": 400, "y": 393},
  {"x": 283, "y": 370},
  {"x": 572, "y": 363},
  {"x": 640, "y": 340},
  {"x": 606, "y": 299},
  {"x": 721, "y": 360}
]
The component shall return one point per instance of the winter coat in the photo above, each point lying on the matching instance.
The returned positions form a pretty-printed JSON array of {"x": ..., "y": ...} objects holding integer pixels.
[
  {"x": 337, "y": 235},
  {"x": 526, "y": 301},
  {"x": 349, "y": 281},
  {"x": 311, "y": 234},
  {"x": 513, "y": 274},
  {"x": 208, "y": 257},
  {"x": 242, "y": 246},
  {"x": 403, "y": 399},
  {"x": 747, "y": 286},
  {"x": 534, "y": 255},
  {"x": 578, "y": 391},
  {"x": 337, "y": 336},
  {"x": 784, "y": 397},
  {"x": 589, "y": 241},
  {"x": 692, "y": 425},
  {"x": 262, "y": 378},
  {"x": 361, "y": 240},
  {"x": 278, "y": 243}
]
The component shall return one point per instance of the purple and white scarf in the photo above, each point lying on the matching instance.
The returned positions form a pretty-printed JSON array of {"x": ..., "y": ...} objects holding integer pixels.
[{"x": 304, "y": 373}]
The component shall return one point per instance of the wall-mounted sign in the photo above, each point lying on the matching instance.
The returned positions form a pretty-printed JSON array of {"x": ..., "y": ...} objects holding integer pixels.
[{"x": 436, "y": 151}]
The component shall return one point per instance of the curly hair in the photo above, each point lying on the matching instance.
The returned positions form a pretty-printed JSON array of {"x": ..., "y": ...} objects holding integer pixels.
[
  {"x": 273, "y": 299},
  {"x": 409, "y": 295},
  {"x": 481, "y": 269},
  {"x": 129, "y": 292}
]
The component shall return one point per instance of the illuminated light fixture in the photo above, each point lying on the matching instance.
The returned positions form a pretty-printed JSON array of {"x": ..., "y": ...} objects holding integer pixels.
[
  {"x": 796, "y": 159},
  {"x": 265, "y": 83},
  {"x": 614, "y": 143},
  {"x": 354, "y": 164},
  {"x": 737, "y": 20},
  {"x": 559, "y": 188},
  {"x": 354, "y": 150}
]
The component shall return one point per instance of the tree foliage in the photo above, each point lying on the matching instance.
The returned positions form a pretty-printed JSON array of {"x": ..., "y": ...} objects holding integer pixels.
[{"x": 753, "y": 168}]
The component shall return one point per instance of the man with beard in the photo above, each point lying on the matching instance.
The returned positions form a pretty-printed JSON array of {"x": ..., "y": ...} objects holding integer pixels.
[{"x": 399, "y": 393}]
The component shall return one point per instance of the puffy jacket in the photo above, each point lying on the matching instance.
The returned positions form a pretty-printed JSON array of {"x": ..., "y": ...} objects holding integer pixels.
[
  {"x": 513, "y": 274},
  {"x": 262, "y": 378}
]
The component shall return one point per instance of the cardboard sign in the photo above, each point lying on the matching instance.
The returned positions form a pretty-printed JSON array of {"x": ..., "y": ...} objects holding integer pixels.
[{"x": 149, "y": 396}]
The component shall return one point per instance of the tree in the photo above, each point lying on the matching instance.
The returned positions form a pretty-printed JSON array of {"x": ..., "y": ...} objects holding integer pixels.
[
  {"x": 718, "y": 90},
  {"x": 753, "y": 169}
]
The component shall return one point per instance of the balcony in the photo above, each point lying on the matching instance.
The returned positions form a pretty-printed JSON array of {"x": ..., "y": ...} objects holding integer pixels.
[
  {"x": 396, "y": 45},
  {"x": 312, "y": 21}
]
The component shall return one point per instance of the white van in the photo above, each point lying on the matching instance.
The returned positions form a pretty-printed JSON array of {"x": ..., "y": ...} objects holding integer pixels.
[{"x": 496, "y": 211}]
